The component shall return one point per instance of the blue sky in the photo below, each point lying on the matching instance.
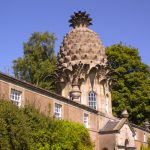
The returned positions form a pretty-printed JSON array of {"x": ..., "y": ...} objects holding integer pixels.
[{"x": 114, "y": 20}]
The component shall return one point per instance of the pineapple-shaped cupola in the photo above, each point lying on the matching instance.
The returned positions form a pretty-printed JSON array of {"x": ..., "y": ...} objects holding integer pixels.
[
  {"x": 81, "y": 45},
  {"x": 82, "y": 62}
]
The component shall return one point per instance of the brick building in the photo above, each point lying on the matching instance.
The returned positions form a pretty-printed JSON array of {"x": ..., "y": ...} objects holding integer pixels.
[{"x": 83, "y": 93}]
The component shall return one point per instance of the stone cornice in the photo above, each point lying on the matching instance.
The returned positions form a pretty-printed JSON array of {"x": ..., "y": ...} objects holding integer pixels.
[{"x": 139, "y": 127}]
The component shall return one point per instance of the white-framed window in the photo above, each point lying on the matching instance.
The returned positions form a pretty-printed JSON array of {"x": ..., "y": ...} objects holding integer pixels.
[
  {"x": 58, "y": 111},
  {"x": 135, "y": 136},
  {"x": 15, "y": 97},
  {"x": 144, "y": 137},
  {"x": 92, "y": 100},
  {"x": 107, "y": 103},
  {"x": 86, "y": 120}
]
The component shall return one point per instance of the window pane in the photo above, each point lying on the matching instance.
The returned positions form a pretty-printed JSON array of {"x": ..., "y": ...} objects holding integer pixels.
[
  {"x": 86, "y": 120},
  {"x": 92, "y": 100},
  {"x": 15, "y": 97},
  {"x": 58, "y": 111},
  {"x": 107, "y": 103}
]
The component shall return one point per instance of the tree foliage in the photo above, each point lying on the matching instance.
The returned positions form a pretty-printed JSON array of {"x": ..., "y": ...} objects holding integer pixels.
[
  {"x": 131, "y": 83},
  {"x": 144, "y": 148},
  {"x": 14, "y": 130},
  {"x": 38, "y": 62},
  {"x": 28, "y": 129},
  {"x": 69, "y": 136}
]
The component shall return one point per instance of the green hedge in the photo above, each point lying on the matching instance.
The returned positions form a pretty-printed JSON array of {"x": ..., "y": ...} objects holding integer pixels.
[{"x": 28, "y": 129}]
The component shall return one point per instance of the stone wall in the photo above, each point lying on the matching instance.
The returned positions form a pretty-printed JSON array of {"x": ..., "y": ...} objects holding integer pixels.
[
  {"x": 107, "y": 141},
  {"x": 139, "y": 138},
  {"x": 46, "y": 105},
  {"x": 125, "y": 134}
]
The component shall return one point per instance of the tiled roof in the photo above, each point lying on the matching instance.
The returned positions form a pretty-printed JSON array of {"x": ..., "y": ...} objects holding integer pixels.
[
  {"x": 115, "y": 126},
  {"x": 110, "y": 125}
]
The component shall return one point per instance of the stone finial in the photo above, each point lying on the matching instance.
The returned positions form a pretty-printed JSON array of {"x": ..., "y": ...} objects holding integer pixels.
[
  {"x": 146, "y": 124},
  {"x": 75, "y": 93},
  {"x": 125, "y": 114}
]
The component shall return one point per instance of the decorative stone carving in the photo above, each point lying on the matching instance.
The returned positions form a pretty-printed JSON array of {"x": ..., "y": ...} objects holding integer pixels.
[
  {"x": 125, "y": 114},
  {"x": 80, "y": 52},
  {"x": 80, "y": 44},
  {"x": 147, "y": 124},
  {"x": 75, "y": 93}
]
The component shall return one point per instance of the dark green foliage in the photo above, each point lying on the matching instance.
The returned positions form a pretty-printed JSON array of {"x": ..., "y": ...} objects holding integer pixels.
[
  {"x": 131, "y": 84},
  {"x": 69, "y": 136},
  {"x": 40, "y": 128},
  {"x": 38, "y": 62},
  {"x": 144, "y": 148},
  {"x": 4, "y": 138},
  {"x": 15, "y": 129},
  {"x": 148, "y": 141},
  {"x": 28, "y": 129}
]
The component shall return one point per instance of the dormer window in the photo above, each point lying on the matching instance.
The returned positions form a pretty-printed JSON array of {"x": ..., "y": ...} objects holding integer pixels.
[{"x": 92, "y": 100}]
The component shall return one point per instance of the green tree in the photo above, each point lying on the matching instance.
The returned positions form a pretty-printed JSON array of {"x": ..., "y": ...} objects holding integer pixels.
[
  {"x": 131, "y": 83},
  {"x": 38, "y": 62},
  {"x": 27, "y": 129}
]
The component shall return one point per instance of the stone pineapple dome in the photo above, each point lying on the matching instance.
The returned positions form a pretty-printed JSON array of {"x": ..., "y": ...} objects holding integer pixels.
[
  {"x": 81, "y": 59},
  {"x": 81, "y": 45}
]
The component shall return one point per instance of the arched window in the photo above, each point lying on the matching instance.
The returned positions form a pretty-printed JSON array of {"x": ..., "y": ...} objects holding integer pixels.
[{"x": 92, "y": 100}]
